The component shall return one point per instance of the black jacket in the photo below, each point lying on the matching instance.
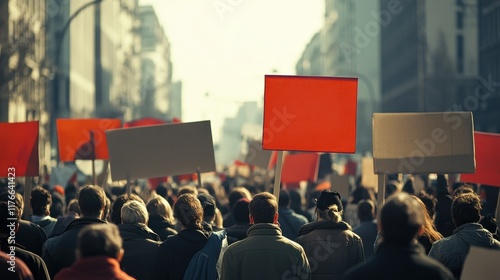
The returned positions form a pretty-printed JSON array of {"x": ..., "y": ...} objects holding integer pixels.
[
  {"x": 237, "y": 232},
  {"x": 161, "y": 227},
  {"x": 140, "y": 244},
  {"x": 60, "y": 251},
  {"x": 31, "y": 236},
  {"x": 176, "y": 252},
  {"x": 399, "y": 262},
  {"x": 32, "y": 261}
]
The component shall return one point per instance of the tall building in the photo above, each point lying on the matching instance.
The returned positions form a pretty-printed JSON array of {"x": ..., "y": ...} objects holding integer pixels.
[
  {"x": 156, "y": 67},
  {"x": 429, "y": 54},
  {"x": 24, "y": 73},
  {"x": 349, "y": 45},
  {"x": 175, "y": 101},
  {"x": 488, "y": 115}
]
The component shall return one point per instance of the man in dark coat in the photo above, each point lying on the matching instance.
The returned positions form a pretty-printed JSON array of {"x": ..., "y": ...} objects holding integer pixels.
[
  {"x": 60, "y": 251},
  {"x": 400, "y": 256},
  {"x": 139, "y": 241}
]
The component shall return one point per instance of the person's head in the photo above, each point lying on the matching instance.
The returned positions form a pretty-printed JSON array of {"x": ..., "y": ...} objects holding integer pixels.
[
  {"x": 461, "y": 190},
  {"x": 366, "y": 210},
  {"x": 263, "y": 209},
  {"x": 284, "y": 201},
  {"x": 99, "y": 240},
  {"x": 237, "y": 193},
  {"x": 429, "y": 202},
  {"x": 116, "y": 209},
  {"x": 429, "y": 230},
  {"x": 92, "y": 201},
  {"x": 489, "y": 223},
  {"x": 40, "y": 201},
  {"x": 209, "y": 206},
  {"x": 73, "y": 206},
  {"x": 159, "y": 206},
  {"x": 134, "y": 212},
  {"x": 187, "y": 189},
  {"x": 295, "y": 199},
  {"x": 6, "y": 213},
  {"x": 329, "y": 206},
  {"x": 466, "y": 208},
  {"x": 401, "y": 219},
  {"x": 188, "y": 211},
  {"x": 18, "y": 200},
  {"x": 241, "y": 212}
]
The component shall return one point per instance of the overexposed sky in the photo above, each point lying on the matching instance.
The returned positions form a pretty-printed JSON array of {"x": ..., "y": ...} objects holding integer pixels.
[{"x": 225, "y": 47}]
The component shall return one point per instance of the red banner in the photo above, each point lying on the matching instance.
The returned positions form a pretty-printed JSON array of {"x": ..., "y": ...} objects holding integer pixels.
[
  {"x": 19, "y": 149},
  {"x": 300, "y": 167},
  {"x": 84, "y": 138},
  {"x": 487, "y": 148}
]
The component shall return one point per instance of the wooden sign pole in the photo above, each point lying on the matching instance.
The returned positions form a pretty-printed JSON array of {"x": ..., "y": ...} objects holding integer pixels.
[
  {"x": 277, "y": 176},
  {"x": 198, "y": 174},
  {"x": 381, "y": 191}
]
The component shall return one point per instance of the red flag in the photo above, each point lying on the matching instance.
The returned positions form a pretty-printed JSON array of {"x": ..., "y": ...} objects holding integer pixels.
[
  {"x": 19, "y": 149},
  {"x": 300, "y": 167},
  {"x": 487, "y": 149},
  {"x": 310, "y": 114},
  {"x": 144, "y": 122},
  {"x": 84, "y": 138}
]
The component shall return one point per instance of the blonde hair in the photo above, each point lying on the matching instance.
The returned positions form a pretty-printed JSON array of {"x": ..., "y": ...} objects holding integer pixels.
[
  {"x": 429, "y": 229},
  {"x": 332, "y": 213},
  {"x": 134, "y": 212},
  {"x": 159, "y": 206}
]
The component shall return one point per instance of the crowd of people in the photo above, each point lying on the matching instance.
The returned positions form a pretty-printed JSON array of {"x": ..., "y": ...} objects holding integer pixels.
[{"x": 227, "y": 231}]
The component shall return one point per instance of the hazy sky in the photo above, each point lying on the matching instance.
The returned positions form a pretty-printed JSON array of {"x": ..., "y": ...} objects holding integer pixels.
[{"x": 224, "y": 48}]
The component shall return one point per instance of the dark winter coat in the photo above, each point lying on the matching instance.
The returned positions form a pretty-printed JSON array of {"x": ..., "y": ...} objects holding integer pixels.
[{"x": 161, "y": 227}]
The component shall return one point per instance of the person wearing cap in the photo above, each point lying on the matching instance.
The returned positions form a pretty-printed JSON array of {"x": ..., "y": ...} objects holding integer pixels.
[
  {"x": 209, "y": 208},
  {"x": 330, "y": 244}
]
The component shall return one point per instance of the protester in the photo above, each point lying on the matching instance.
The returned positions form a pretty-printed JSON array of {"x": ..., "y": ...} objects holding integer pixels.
[
  {"x": 235, "y": 194},
  {"x": 176, "y": 252},
  {"x": 367, "y": 229},
  {"x": 161, "y": 217},
  {"x": 41, "y": 201},
  {"x": 116, "y": 208},
  {"x": 326, "y": 262},
  {"x": 490, "y": 223},
  {"x": 265, "y": 253},
  {"x": 400, "y": 256},
  {"x": 7, "y": 272},
  {"x": 290, "y": 222},
  {"x": 29, "y": 235},
  {"x": 239, "y": 230},
  {"x": 429, "y": 202},
  {"x": 58, "y": 205},
  {"x": 209, "y": 212},
  {"x": 443, "y": 220},
  {"x": 59, "y": 251},
  {"x": 72, "y": 213},
  {"x": 296, "y": 204},
  {"x": 99, "y": 251},
  {"x": 452, "y": 251},
  {"x": 429, "y": 234},
  {"x": 8, "y": 244},
  {"x": 139, "y": 241}
]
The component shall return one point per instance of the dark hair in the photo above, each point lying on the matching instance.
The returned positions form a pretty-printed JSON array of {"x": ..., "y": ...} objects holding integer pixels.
[
  {"x": 466, "y": 208},
  {"x": 366, "y": 210},
  {"x": 462, "y": 189},
  {"x": 241, "y": 212},
  {"x": 40, "y": 201},
  {"x": 91, "y": 200},
  {"x": 237, "y": 193},
  {"x": 401, "y": 218},
  {"x": 187, "y": 189},
  {"x": 99, "y": 240},
  {"x": 188, "y": 211},
  {"x": 208, "y": 204},
  {"x": 429, "y": 202},
  {"x": 73, "y": 206},
  {"x": 284, "y": 200},
  {"x": 489, "y": 223},
  {"x": 263, "y": 207},
  {"x": 116, "y": 209},
  {"x": 408, "y": 186}
]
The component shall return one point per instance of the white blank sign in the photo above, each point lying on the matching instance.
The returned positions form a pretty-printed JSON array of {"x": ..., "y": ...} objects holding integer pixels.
[{"x": 160, "y": 150}]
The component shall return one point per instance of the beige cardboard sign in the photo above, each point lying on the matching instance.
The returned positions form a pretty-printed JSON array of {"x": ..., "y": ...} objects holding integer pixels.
[
  {"x": 341, "y": 184},
  {"x": 256, "y": 156},
  {"x": 418, "y": 143},
  {"x": 160, "y": 150},
  {"x": 368, "y": 178},
  {"x": 481, "y": 263}
]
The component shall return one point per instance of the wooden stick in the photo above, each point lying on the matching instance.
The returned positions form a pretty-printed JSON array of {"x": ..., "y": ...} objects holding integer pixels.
[
  {"x": 94, "y": 178},
  {"x": 129, "y": 186},
  {"x": 198, "y": 174},
  {"x": 497, "y": 212},
  {"x": 381, "y": 191},
  {"x": 277, "y": 176}
]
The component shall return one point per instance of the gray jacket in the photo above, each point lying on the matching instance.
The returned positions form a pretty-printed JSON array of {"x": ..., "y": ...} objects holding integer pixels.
[{"x": 452, "y": 251}]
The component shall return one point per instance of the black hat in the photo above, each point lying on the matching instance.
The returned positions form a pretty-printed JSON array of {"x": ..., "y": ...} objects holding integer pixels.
[
  {"x": 327, "y": 199},
  {"x": 208, "y": 203}
]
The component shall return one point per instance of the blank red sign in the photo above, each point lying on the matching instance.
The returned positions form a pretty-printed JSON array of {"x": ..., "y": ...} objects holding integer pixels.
[
  {"x": 74, "y": 138},
  {"x": 305, "y": 113},
  {"x": 487, "y": 146},
  {"x": 300, "y": 167},
  {"x": 19, "y": 149}
]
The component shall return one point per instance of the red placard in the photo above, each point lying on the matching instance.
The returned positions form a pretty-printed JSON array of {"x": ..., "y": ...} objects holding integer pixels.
[
  {"x": 74, "y": 138},
  {"x": 487, "y": 148},
  {"x": 300, "y": 167},
  {"x": 19, "y": 149},
  {"x": 305, "y": 113},
  {"x": 144, "y": 122}
]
